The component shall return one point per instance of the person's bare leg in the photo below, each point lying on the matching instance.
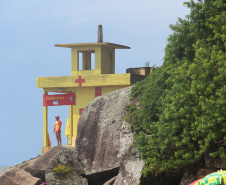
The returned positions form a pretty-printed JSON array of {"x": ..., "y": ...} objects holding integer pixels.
[
  {"x": 56, "y": 136},
  {"x": 58, "y": 139}
]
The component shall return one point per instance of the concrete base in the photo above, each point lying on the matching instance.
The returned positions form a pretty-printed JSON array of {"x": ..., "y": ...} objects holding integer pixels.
[{"x": 46, "y": 149}]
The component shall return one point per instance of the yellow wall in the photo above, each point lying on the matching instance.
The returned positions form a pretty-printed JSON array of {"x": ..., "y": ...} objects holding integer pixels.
[
  {"x": 104, "y": 60},
  {"x": 90, "y": 80},
  {"x": 75, "y": 125},
  {"x": 108, "y": 89}
]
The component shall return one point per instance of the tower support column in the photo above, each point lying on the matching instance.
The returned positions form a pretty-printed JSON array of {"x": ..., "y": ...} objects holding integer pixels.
[
  {"x": 45, "y": 124},
  {"x": 71, "y": 122}
]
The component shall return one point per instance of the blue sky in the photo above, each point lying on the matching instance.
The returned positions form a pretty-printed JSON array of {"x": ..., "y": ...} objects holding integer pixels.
[{"x": 28, "y": 32}]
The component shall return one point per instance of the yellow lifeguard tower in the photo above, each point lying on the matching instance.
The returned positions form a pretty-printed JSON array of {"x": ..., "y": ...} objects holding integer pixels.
[{"x": 85, "y": 83}]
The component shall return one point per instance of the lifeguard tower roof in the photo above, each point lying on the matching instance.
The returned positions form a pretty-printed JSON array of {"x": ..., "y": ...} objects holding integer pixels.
[{"x": 108, "y": 44}]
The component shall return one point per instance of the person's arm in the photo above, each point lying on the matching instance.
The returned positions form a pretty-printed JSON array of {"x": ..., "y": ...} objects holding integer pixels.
[{"x": 54, "y": 129}]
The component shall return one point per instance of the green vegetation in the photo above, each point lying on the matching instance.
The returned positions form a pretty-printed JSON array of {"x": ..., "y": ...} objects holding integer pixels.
[
  {"x": 183, "y": 114},
  {"x": 61, "y": 170}
]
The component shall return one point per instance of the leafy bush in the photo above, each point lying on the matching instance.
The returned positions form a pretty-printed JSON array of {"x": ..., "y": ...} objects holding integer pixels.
[
  {"x": 62, "y": 170},
  {"x": 183, "y": 101}
]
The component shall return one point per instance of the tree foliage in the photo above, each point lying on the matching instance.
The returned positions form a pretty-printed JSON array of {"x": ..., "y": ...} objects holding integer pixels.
[{"x": 183, "y": 112}]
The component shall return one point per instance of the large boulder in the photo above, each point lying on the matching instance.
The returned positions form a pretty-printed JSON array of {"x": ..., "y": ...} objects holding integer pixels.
[
  {"x": 69, "y": 159},
  {"x": 105, "y": 138},
  {"x": 130, "y": 168},
  {"x": 17, "y": 176},
  {"x": 188, "y": 178},
  {"x": 42, "y": 166}
]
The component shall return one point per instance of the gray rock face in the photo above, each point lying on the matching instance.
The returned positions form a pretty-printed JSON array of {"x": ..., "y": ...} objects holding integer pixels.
[
  {"x": 16, "y": 176},
  {"x": 67, "y": 158},
  {"x": 42, "y": 167},
  {"x": 37, "y": 167},
  {"x": 71, "y": 179},
  {"x": 130, "y": 168},
  {"x": 103, "y": 136},
  {"x": 104, "y": 140},
  {"x": 110, "y": 182},
  {"x": 187, "y": 179}
]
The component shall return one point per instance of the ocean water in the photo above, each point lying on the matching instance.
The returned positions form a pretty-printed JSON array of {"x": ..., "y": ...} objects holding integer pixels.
[{"x": 2, "y": 168}]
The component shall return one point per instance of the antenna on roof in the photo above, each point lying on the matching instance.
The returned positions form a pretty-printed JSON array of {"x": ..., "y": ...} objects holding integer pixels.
[{"x": 100, "y": 33}]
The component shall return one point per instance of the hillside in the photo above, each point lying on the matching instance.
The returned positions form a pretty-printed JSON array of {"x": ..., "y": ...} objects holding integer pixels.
[{"x": 182, "y": 120}]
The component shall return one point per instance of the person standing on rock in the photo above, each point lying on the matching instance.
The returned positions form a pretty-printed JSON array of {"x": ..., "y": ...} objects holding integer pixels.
[{"x": 57, "y": 130}]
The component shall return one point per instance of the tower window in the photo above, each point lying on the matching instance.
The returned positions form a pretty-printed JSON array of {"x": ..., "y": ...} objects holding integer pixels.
[{"x": 86, "y": 60}]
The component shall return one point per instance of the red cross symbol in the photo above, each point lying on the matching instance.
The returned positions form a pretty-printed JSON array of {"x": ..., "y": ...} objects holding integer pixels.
[{"x": 80, "y": 81}]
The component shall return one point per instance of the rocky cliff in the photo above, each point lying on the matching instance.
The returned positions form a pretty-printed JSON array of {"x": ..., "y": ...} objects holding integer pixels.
[{"x": 104, "y": 153}]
